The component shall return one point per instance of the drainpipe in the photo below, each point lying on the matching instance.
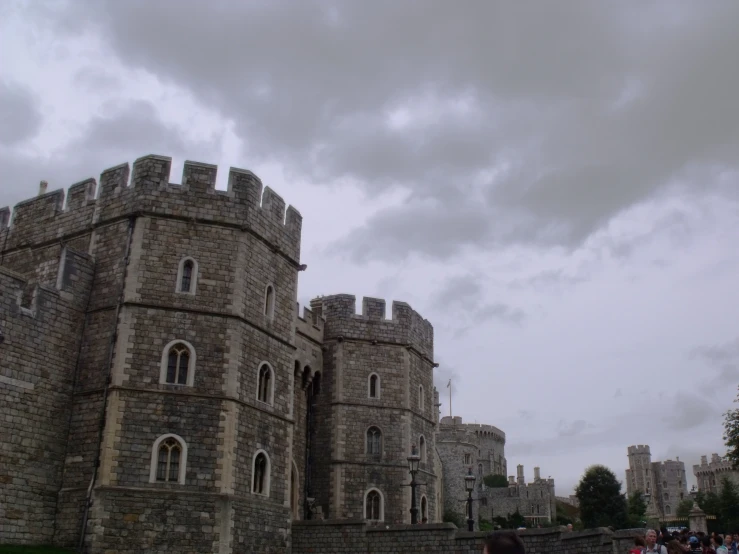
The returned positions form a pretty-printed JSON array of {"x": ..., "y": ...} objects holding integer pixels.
[{"x": 111, "y": 348}]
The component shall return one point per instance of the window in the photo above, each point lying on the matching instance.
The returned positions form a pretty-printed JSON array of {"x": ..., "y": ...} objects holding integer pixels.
[
  {"x": 422, "y": 448},
  {"x": 420, "y": 397},
  {"x": 269, "y": 301},
  {"x": 479, "y": 471},
  {"x": 187, "y": 276},
  {"x": 424, "y": 510},
  {"x": 373, "y": 386},
  {"x": 260, "y": 473},
  {"x": 373, "y": 506},
  {"x": 177, "y": 364},
  {"x": 467, "y": 459},
  {"x": 664, "y": 484},
  {"x": 484, "y": 501},
  {"x": 265, "y": 384},
  {"x": 374, "y": 442},
  {"x": 294, "y": 490},
  {"x": 667, "y": 496},
  {"x": 168, "y": 460},
  {"x": 668, "y": 510}
]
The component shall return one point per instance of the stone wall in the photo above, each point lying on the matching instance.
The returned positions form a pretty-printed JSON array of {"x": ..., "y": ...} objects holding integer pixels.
[
  {"x": 339, "y": 537},
  {"x": 38, "y": 357}
]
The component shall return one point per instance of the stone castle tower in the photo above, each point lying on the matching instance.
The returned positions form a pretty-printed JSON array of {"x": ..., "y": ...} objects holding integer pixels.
[
  {"x": 664, "y": 482},
  {"x": 377, "y": 401},
  {"x": 161, "y": 387}
]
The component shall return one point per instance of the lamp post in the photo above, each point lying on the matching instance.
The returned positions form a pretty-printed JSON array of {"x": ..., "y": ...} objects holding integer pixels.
[
  {"x": 413, "y": 460},
  {"x": 469, "y": 485}
]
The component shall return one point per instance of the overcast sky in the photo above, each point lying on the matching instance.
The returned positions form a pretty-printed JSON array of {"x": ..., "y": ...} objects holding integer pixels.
[{"x": 553, "y": 185}]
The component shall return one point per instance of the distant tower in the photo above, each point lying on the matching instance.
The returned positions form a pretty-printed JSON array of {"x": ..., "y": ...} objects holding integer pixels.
[{"x": 639, "y": 475}]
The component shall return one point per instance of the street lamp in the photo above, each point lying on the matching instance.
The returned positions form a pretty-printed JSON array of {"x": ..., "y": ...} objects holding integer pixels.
[
  {"x": 413, "y": 460},
  {"x": 469, "y": 485}
]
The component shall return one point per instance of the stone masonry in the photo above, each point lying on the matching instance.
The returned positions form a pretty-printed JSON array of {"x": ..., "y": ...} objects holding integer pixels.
[
  {"x": 111, "y": 291},
  {"x": 664, "y": 482},
  {"x": 710, "y": 475}
]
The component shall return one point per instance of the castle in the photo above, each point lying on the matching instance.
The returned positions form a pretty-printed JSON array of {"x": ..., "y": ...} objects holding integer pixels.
[
  {"x": 710, "y": 475},
  {"x": 161, "y": 392},
  {"x": 664, "y": 482}
]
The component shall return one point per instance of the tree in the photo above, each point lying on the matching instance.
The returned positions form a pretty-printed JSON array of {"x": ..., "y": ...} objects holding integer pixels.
[
  {"x": 495, "y": 481},
  {"x": 731, "y": 435},
  {"x": 683, "y": 508},
  {"x": 728, "y": 503},
  {"x": 637, "y": 509},
  {"x": 601, "y": 501},
  {"x": 516, "y": 520},
  {"x": 709, "y": 503}
]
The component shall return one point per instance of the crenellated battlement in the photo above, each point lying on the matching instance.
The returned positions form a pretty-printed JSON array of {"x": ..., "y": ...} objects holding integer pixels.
[
  {"x": 311, "y": 324},
  {"x": 146, "y": 189},
  {"x": 640, "y": 449},
  {"x": 405, "y": 327},
  {"x": 480, "y": 430}
]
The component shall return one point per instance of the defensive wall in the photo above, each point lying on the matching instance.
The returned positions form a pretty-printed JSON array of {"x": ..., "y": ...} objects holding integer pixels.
[{"x": 339, "y": 537}]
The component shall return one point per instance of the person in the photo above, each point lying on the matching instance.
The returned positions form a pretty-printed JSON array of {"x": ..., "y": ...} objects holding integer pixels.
[
  {"x": 695, "y": 545},
  {"x": 718, "y": 541},
  {"x": 503, "y": 542},
  {"x": 651, "y": 539},
  {"x": 730, "y": 544},
  {"x": 706, "y": 542},
  {"x": 639, "y": 545},
  {"x": 674, "y": 547}
]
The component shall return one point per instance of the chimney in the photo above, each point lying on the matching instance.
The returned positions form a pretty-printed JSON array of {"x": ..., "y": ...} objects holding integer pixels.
[
  {"x": 43, "y": 185},
  {"x": 521, "y": 480},
  {"x": 537, "y": 476}
]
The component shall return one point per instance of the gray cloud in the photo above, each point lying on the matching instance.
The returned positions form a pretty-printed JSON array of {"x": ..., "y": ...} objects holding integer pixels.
[
  {"x": 533, "y": 124},
  {"x": 463, "y": 295},
  {"x": 20, "y": 116}
]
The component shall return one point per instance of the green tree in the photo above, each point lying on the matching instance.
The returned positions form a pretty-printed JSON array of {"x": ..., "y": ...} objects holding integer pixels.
[
  {"x": 516, "y": 520},
  {"x": 709, "y": 503},
  {"x": 601, "y": 501},
  {"x": 728, "y": 503},
  {"x": 731, "y": 435},
  {"x": 637, "y": 509},
  {"x": 684, "y": 507},
  {"x": 495, "y": 481},
  {"x": 450, "y": 516}
]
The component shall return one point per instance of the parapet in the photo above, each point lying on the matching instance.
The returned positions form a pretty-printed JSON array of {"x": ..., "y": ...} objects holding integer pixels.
[
  {"x": 311, "y": 324},
  {"x": 480, "y": 430},
  {"x": 245, "y": 205},
  {"x": 406, "y": 327},
  {"x": 639, "y": 449},
  {"x": 717, "y": 463}
]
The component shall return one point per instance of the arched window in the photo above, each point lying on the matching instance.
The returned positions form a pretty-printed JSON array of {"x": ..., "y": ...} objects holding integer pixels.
[
  {"x": 664, "y": 484},
  {"x": 422, "y": 448},
  {"x": 467, "y": 459},
  {"x": 294, "y": 490},
  {"x": 420, "y": 397},
  {"x": 178, "y": 364},
  {"x": 168, "y": 460},
  {"x": 260, "y": 473},
  {"x": 187, "y": 276},
  {"x": 373, "y": 386},
  {"x": 374, "y": 509},
  {"x": 269, "y": 301},
  {"x": 667, "y": 496},
  {"x": 374, "y": 442},
  {"x": 265, "y": 383},
  {"x": 668, "y": 510},
  {"x": 316, "y": 383},
  {"x": 424, "y": 510},
  {"x": 479, "y": 471}
]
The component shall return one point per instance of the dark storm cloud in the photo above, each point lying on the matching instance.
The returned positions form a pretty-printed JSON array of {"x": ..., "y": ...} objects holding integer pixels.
[
  {"x": 20, "y": 117},
  {"x": 514, "y": 122},
  {"x": 126, "y": 131}
]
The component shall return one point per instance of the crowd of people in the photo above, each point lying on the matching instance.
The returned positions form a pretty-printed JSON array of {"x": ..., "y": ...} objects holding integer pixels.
[{"x": 680, "y": 542}]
